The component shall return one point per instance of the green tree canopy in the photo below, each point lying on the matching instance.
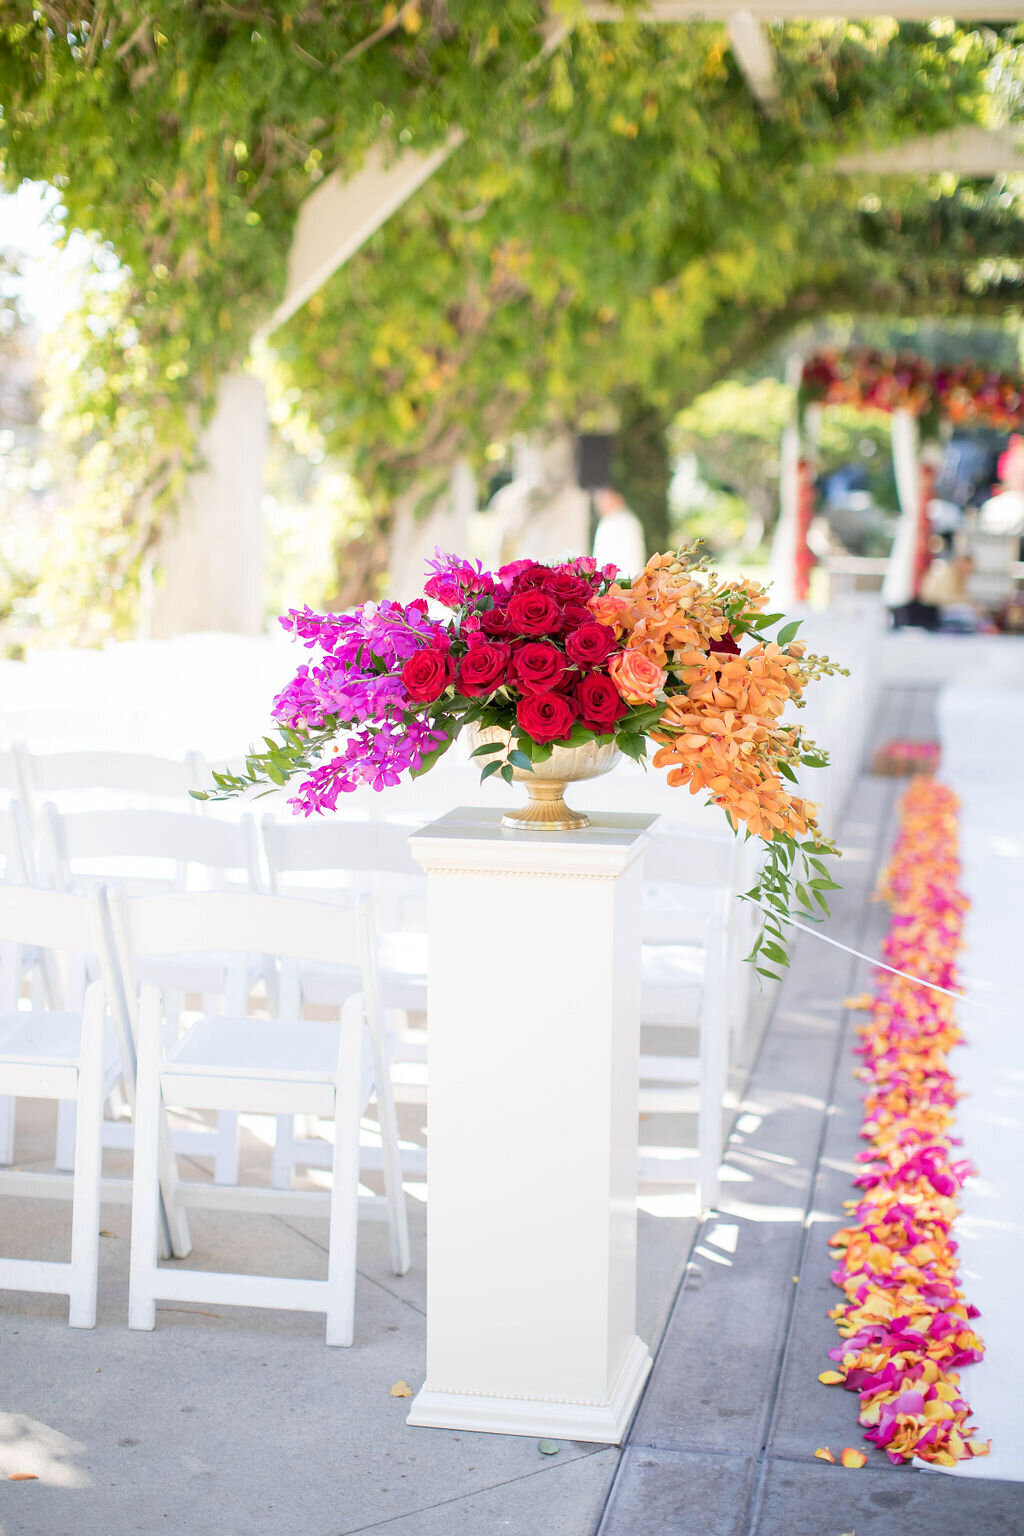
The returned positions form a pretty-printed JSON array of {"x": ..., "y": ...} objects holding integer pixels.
[{"x": 621, "y": 225}]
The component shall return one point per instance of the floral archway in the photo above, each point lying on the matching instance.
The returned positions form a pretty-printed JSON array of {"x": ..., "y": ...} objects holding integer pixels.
[{"x": 918, "y": 396}]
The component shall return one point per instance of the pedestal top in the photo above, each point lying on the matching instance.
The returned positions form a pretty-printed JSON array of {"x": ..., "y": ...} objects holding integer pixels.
[{"x": 473, "y": 838}]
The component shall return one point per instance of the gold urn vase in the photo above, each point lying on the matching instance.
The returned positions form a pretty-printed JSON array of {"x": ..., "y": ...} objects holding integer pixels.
[{"x": 546, "y": 810}]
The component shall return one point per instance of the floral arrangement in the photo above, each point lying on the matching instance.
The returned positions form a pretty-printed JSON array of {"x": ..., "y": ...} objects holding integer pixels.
[
  {"x": 905, "y": 1325},
  {"x": 560, "y": 655},
  {"x": 898, "y": 757},
  {"x": 963, "y": 392}
]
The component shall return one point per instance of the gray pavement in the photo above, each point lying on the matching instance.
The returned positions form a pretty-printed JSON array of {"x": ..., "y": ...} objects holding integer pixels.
[{"x": 723, "y": 1442}]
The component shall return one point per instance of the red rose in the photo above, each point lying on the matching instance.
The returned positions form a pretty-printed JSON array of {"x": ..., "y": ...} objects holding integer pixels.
[
  {"x": 591, "y": 644},
  {"x": 533, "y": 612},
  {"x": 537, "y": 667},
  {"x": 546, "y": 716},
  {"x": 482, "y": 669},
  {"x": 533, "y": 574},
  {"x": 427, "y": 674},
  {"x": 567, "y": 587},
  {"x": 575, "y": 614},
  {"x": 493, "y": 622},
  {"x": 599, "y": 701}
]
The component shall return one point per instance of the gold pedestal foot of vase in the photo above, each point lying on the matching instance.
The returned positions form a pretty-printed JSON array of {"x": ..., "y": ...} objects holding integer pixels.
[{"x": 545, "y": 811}]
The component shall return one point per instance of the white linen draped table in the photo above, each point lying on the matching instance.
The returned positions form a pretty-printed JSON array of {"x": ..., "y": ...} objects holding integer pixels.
[
  {"x": 534, "y": 1019},
  {"x": 982, "y": 733}
]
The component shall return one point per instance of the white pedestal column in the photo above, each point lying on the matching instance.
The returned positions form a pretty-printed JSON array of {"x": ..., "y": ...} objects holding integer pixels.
[{"x": 534, "y": 1040}]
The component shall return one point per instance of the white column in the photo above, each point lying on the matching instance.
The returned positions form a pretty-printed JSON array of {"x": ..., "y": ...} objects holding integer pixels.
[
  {"x": 534, "y": 1014},
  {"x": 898, "y": 586},
  {"x": 207, "y": 572},
  {"x": 782, "y": 561},
  {"x": 417, "y": 531}
]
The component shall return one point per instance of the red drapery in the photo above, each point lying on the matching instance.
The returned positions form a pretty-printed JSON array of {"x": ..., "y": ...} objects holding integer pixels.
[
  {"x": 923, "y": 555},
  {"x": 805, "y": 560}
]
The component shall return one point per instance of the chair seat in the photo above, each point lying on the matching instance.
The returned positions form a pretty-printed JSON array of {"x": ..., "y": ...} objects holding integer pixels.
[
  {"x": 260, "y": 1064},
  {"x": 305, "y": 1050},
  {"x": 40, "y": 1053}
]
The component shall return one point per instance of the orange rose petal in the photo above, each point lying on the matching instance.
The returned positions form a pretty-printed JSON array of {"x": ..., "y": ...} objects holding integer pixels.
[
  {"x": 831, "y": 1378},
  {"x": 851, "y": 1457},
  {"x": 824, "y": 1454}
]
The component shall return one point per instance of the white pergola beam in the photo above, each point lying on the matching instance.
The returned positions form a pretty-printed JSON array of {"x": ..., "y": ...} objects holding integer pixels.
[
  {"x": 796, "y": 10},
  {"x": 968, "y": 151},
  {"x": 342, "y": 213},
  {"x": 755, "y": 56}
]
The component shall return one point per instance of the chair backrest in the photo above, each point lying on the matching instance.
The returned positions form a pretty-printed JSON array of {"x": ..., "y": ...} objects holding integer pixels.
[
  {"x": 135, "y": 843},
  {"x": 140, "y": 773},
  {"x": 16, "y": 852},
  {"x": 303, "y": 847},
  {"x": 680, "y": 858},
  {"x": 44, "y": 920},
  {"x": 219, "y": 923}
]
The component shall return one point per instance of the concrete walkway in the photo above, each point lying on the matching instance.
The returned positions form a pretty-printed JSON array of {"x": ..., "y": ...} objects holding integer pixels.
[{"x": 723, "y": 1443}]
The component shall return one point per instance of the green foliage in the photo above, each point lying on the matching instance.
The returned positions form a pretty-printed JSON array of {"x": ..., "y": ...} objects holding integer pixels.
[{"x": 621, "y": 227}]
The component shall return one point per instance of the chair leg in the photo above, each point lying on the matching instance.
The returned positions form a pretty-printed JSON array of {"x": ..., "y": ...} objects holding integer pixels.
[
  {"x": 341, "y": 1262},
  {"x": 225, "y": 1162},
  {"x": 282, "y": 1159},
  {"x": 67, "y": 1115},
  {"x": 88, "y": 1160},
  {"x": 391, "y": 1159},
  {"x": 146, "y": 1170},
  {"x": 714, "y": 1059},
  {"x": 7, "y": 1104}
]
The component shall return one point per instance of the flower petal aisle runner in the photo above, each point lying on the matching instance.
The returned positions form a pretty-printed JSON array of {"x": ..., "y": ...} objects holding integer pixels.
[{"x": 906, "y": 1325}]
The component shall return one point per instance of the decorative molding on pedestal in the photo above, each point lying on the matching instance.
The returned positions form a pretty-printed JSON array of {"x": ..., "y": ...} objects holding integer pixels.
[{"x": 604, "y": 1423}]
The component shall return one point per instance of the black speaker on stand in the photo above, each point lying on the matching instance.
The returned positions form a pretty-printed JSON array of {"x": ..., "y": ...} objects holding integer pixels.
[{"x": 593, "y": 460}]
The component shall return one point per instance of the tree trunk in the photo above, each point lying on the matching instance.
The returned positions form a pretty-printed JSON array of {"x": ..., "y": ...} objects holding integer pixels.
[{"x": 641, "y": 469}]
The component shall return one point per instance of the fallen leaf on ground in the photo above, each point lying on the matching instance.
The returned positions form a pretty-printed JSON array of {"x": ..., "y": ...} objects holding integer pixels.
[
  {"x": 547, "y": 1447},
  {"x": 824, "y": 1454},
  {"x": 22, "y": 1477},
  {"x": 105, "y": 1233},
  {"x": 852, "y": 1457},
  {"x": 401, "y": 1389}
]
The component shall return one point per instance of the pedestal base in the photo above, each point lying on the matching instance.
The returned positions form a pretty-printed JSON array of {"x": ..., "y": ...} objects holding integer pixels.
[{"x": 603, "y": 1423}]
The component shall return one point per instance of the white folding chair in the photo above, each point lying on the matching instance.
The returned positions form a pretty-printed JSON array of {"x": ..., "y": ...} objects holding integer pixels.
[
  {"x": 159, "y": 851},
  {"x": 692, "y": 974},
  {"x": 132, "y": 778},
  {"x": 18, "y": 862},
  {"x": 337, "y": 860},
  {"x": 70, "y": 1055},
  {"x": 282, "y": 1066}
]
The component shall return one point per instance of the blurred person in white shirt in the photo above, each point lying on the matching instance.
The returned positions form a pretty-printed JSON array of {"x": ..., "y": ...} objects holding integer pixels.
[
  {"x": 619, "y": 539},
  {"x": 1004, "y": 512}
]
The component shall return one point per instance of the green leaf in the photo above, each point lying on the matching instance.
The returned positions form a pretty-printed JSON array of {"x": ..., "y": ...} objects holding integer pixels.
[
  {"x": 491, "y": 768},
  {"x": 520, "y": 759},
  {"x": 788, "y": 632},
  {"x": 507, "y": 772},
  {"x": 547, "y": 1447},
  {"x": 488, "y": 748}
]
